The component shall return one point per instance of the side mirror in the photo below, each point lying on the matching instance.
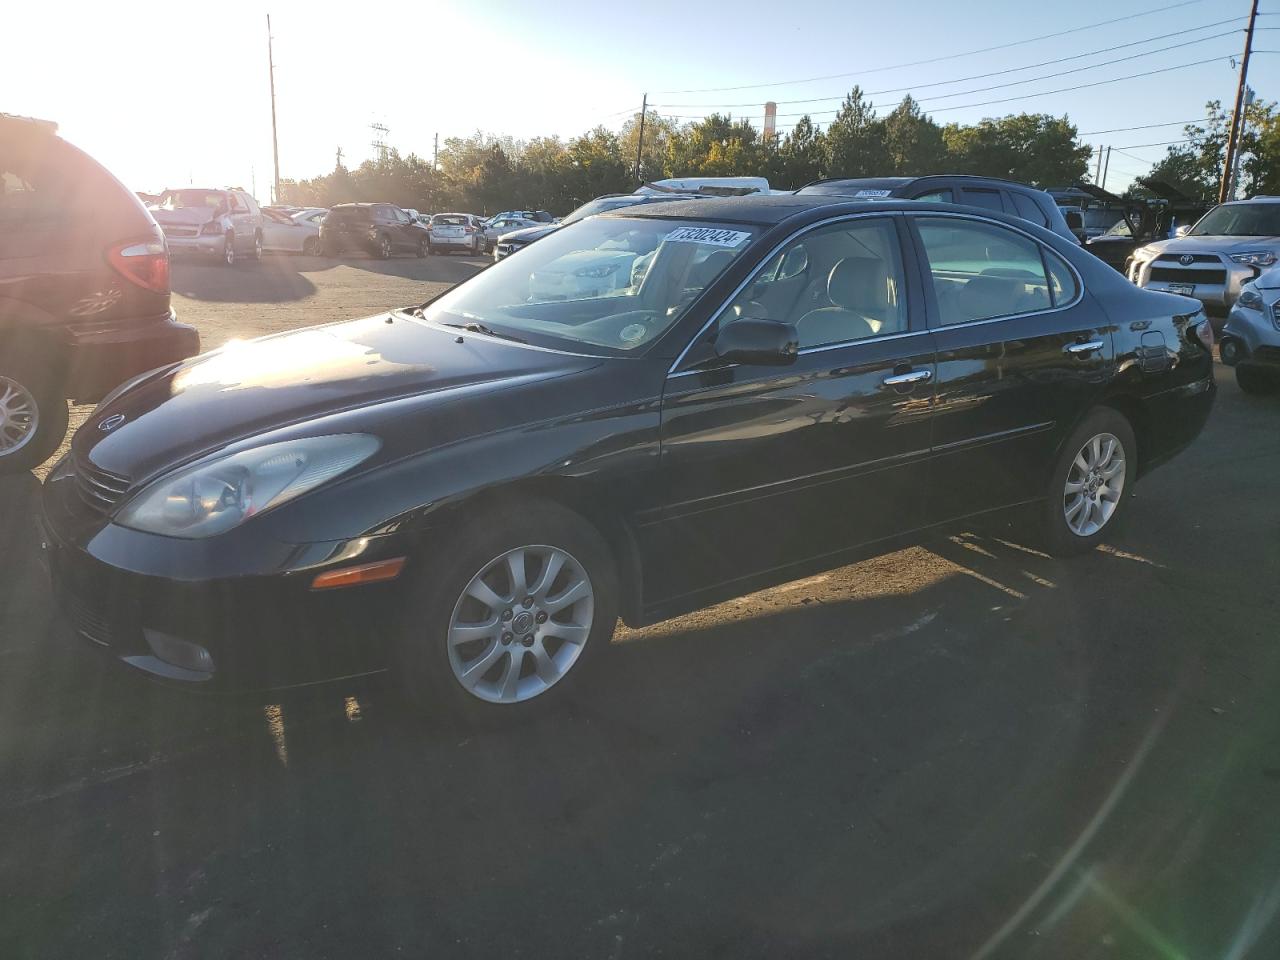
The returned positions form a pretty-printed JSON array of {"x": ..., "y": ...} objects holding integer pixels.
[
  {"x": 1183, "y": 230},
  {"x": 764, "y": 343}
]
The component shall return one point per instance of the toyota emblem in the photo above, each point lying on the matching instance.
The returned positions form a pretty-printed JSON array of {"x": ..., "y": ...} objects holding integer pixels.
[
  {"x": 111, "y": 422},
  {"x": 1186, "y": 259}
]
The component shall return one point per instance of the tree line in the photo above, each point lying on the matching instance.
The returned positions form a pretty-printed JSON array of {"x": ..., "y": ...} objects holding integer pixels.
[
  {"x": 1194, "y": 167},
  {"x": 484, "y": 173}
]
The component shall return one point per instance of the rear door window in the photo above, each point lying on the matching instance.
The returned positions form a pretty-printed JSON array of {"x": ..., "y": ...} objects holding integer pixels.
[
  {"x": 943, "y": 195},
  {"x": 982, "y": 271},
  {"x": 1028, "y": 209},
  {"x": 979, "y": 197}
]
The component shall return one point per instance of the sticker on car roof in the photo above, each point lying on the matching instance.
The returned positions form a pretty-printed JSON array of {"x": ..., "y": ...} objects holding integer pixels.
[
  {"x": 713, "y": 236},
  {"x": 873, "y": 193}
]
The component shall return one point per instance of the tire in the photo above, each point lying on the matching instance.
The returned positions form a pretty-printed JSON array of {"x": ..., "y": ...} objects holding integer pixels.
[
  {"x": 257, "y": 248},
  {"x": 33, "y": 416},
  {"x": 229, "y": 249},
  {"x": 431, "y": 251},
  {"x": 432, "y": 653},
  {"x": 424, "y": 247},
  {"x": 384, "y": 247},
  {"x": 1087, "y": 489},
  {"x": 1253, "y": 380},
  {"x": 311, "y": 247}
]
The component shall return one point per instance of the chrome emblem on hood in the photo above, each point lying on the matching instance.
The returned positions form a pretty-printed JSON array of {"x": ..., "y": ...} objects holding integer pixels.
[
  {"x": 111, "y": 422},
  {"x": 1186, "y": 259}
]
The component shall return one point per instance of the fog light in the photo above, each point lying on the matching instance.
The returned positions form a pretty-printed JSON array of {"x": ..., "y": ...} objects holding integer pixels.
[{"x": 179, "y": 653}]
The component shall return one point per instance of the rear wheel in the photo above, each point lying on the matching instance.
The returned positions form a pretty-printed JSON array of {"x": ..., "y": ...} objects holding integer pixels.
[
  {"x": 33, "y": 416},
  {"x": 257, "y": 248},
  {"x": 424, "y": 247},
  {"x": 311, "y": 247},
  {"x": 1095, "y": 469},
  {"x": 229, "y": 249},
  {"x": 1254, "y": 380},
  {"x": 515, "y": 619}
]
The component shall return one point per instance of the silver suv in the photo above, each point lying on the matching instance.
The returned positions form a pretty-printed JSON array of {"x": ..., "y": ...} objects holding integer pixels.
[
  {"x": 1229, "y": 246},
  {"x": 226, "y": 224}
]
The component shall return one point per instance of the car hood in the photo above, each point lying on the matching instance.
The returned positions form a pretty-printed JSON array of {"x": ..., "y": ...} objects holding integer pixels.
[
  {"x": 248, "y": 388},
  {"x": 186, "y": 217},
  {"x": 1269, "y": 279},
  {"x": 530, "y": 234},
  {"x": 1212, "y": 244}
]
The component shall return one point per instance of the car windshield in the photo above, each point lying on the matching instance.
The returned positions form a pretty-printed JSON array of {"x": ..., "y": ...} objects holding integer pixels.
[
  {"x": 600, "y": 205},
  {"x": 608, "y": 284},
  {"x": 189, "y": 199},
  {"x": 1119, "y": 229},
  {"x": 1239, "y": 220}
]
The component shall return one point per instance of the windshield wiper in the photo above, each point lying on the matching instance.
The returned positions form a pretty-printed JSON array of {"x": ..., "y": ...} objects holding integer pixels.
[{"x": 473, "y": 326}]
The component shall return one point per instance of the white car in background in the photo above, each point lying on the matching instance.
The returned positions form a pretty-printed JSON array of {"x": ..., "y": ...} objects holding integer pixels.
[
  {"x": 297, "y": 232},
  {"x": 495, "y": 227},
  {"x": 456, "y": 233}
]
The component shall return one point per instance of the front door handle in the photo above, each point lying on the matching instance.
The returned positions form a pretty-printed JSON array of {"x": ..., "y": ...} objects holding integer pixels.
[
  {"x": 1082, "y": 349},
  {"x": 908, "y": 379}
]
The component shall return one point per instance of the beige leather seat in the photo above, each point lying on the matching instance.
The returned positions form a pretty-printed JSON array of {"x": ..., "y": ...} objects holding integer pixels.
[{"x": 859, "y": 289}]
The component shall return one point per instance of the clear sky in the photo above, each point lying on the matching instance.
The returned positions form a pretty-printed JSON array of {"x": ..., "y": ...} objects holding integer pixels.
[{"x": 176, "y": 92}]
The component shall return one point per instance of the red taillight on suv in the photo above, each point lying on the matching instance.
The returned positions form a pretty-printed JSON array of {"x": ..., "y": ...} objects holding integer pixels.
[{"x": 142, "y": 262}]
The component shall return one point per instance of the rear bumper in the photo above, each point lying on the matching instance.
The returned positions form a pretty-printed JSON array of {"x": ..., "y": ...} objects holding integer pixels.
[
  {"x": 1177, "y": 416},
  {"x": 453, "y": 241},
  {"x": 99, "y": 359}
]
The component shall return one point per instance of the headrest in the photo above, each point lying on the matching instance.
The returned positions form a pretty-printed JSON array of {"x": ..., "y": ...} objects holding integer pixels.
[{"x": 859, "y": 284}]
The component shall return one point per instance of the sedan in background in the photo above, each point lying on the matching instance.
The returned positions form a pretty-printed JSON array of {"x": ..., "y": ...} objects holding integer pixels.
[
  {"x": 469, "y": 493},
  {"x": 496, "y": 227},
  {"x": 291, "y": 233},
  {"x": 456, "y": 233}
]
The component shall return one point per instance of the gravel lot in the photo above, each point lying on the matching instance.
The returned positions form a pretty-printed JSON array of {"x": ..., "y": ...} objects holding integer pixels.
[{"x": 964, "y": 749}]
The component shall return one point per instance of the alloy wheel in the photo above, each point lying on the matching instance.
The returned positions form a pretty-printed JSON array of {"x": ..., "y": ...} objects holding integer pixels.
[
  {"x": 385, "y": 247},
  {"x": 19, "y": 416},
  {"x": 520, "y": 624},
  {"x": 1095, "y": 484},
  {"x": 229, "y": 249}
]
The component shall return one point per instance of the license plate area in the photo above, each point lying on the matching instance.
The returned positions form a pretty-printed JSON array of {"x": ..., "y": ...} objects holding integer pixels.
[{"x": 1186, "y": 289}]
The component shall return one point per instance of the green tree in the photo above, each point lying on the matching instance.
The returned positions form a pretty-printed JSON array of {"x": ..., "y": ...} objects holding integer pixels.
[
  {"x": 1033, "y": 148},
  {"x": 855, "y": 139},
  {"x": 658, "y": 131},
  {"x": 800, "y": 157},
  {"x": 912, "y": 141}
]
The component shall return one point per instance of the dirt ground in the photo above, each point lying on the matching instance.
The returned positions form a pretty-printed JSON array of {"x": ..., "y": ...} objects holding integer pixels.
[{"x": 964, "y": 749}]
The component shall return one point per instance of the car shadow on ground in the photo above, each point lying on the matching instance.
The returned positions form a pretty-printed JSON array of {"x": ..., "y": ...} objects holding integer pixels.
[{"x": 938, "y": 729}]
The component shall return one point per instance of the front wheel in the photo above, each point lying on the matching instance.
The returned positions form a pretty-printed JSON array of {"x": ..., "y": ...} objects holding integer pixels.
[
  {"x": 1253, "y": 380},
  {"x": 311, "y": 247},
  {"x": 513, "y": 617},
  {"x": 33, "y": 418},
  {"x": 1095, "y": 469},
  {"x": 424, "y": 247},
  {"x": 384, "y": 247},
  {"x": 229, "y": 249},
  {"x": 257, "y": 248}
]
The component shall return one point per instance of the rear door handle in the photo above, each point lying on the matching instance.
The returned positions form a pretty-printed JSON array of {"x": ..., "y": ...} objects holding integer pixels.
[
  {"x": 1081, "y": 349},
  {"x": 910, "y": 378}
]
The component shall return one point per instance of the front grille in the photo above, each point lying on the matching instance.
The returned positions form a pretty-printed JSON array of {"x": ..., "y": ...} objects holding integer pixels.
[
  {"x": 181, "y": 232},
  {"x": 1195, "y": 257},
  {"x": 100, "y": 490},
  {"x": 90, "y": 622},
  {"x": 1191, "y": 275}
]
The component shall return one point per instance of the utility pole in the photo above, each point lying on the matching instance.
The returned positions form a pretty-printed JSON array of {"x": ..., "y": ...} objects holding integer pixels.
[
  {"x": 1097, "y": 177},
  {"x": 1106, "y": 167},
  {"x": 337, "y": 163},
  {"x": 275, "y": 148},
  {"x": 1237, "y": 115},
  {"x": 1244, "y": 126},
  {"x": 435, "y": 154},
  {"x": 644, "y": 111}
]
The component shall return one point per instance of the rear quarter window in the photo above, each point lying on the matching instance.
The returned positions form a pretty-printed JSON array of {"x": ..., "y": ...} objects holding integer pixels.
[{"x": 1028, "y": 209}]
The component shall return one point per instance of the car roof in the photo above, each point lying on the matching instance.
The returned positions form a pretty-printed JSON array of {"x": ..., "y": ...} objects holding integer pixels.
[
  {"x": 754, "y": 208},
  {"x": 889, "y": 183}
]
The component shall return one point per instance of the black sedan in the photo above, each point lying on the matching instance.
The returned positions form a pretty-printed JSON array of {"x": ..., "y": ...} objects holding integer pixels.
[{"x": 646, "y": 412}]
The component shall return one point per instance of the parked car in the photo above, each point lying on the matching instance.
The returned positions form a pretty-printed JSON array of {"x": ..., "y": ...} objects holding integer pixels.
[
  {"x": 380, "y": 229},
  {"x": 84, "y": 289},
  {"x": 537, "y": 216},
  {"x": 226, "y": 224},
  {"x": 495, "y": 227},
  {"x": 457, "y": 233},
  {"x": 1213, "y": 260},
  {"x": 1251, "y": 336},
  {"x": 1003, "y": 196},
  {"x": 290, "y": 233},
  {"x": 509, "y": 243},
  {"x": 470, "y": 492}
]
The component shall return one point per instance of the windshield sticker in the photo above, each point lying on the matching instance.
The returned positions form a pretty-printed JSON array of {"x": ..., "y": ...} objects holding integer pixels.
[
  {"x": 873, "y": 193},
  {"x": 708, "y": 235}
]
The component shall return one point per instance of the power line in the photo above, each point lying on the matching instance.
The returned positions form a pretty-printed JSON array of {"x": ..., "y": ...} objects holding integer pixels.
[
  {"x": 999, "y": 73},
  {"x": 953, "y": 56},
  {"x": 1162, "y": 143},
  {"x": 1149, "y": 126}
]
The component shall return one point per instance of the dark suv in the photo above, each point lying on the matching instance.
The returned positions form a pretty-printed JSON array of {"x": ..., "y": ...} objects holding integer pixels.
[
  {"x": 84, "y": 289},
  {"x": 381, "y": 229},
  {"x": 1003, "y": 196}
]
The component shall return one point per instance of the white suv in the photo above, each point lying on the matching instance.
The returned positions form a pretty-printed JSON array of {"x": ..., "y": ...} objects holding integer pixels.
[{"x": 1229, "y": 246}]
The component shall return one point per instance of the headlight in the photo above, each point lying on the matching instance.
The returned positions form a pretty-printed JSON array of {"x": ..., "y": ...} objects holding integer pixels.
[
  {"x": 604, "y": 270},
  {"x": 1249, "y": 297},
  {"x": 1257, "y": 258},
  {"x": 210, "y": 498},
  {"x": 1144, "y": 254}
]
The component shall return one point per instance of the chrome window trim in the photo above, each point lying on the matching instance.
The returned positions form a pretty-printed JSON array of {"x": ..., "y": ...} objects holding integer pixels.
[
  {"x": 756, "y": 272},
  {"x": 1080, "y": 288}
]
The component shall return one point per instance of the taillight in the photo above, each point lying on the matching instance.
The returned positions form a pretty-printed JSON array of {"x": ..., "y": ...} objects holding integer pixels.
[
  {"x": 1204, "y": 333},
  {"x": 142, "y": 262}
]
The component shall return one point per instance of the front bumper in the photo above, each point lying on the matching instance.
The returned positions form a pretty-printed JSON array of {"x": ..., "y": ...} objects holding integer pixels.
[
  {"x": 505, "y": 248},
  {"x": 99, "y": 358},
  {"x": 1251, "y": 336},
  {"x": 200, "y": 246},
  {"x": 1215, "y": 284},
  {"x": 242, "y": 598}
]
